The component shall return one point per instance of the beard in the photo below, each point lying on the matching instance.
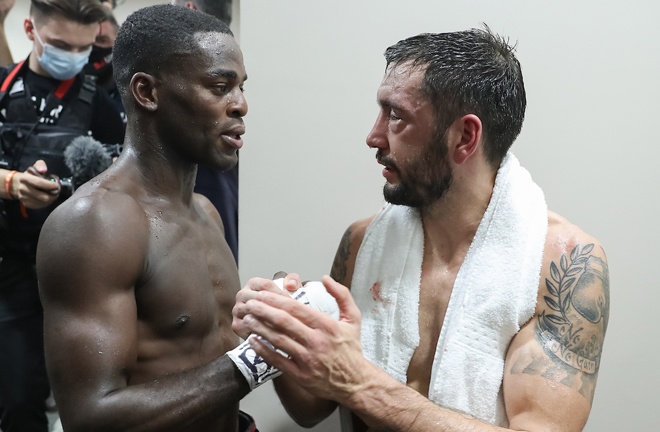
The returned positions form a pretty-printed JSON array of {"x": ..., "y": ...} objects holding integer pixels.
[{"x": 424, "y": 179}]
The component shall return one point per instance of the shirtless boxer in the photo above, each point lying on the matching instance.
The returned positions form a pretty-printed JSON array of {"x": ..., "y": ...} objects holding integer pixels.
[
  {"x": 479, "y": 310},
  {"x": 136, "y": 278}
]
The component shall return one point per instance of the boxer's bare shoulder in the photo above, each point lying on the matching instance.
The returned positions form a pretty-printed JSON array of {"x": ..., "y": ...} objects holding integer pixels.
[
  {"x": 563, "y": 342},
  {"x": 571, "y": 257},
  {"x": 94, "y": 224},
  {"x": 573, "y": 305},
  {"x": 344, "y": 262},
  {"x": 209, "y": 209}
]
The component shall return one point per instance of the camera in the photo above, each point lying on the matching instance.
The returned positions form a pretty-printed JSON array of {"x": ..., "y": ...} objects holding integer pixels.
[{"x": 67, "y": 185}]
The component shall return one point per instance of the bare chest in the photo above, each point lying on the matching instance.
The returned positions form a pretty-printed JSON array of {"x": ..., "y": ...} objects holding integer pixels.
[
  {"x": 435, "y": 291},
  {"x": 185, "y": 297}
]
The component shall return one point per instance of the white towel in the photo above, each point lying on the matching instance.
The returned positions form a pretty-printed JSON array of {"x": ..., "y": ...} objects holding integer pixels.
[{"x": 494, "y": 294}]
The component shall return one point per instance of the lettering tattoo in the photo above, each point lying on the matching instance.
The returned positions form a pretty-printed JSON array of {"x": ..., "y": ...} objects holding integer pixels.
[
  {"x": 572, "y": 325},
  {"x": 339, "y": 270}
]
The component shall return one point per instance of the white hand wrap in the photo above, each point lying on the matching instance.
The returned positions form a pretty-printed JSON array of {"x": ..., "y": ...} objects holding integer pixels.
[
  {"x": 315, "y": 295},
  {"x": 253, "y": 367}
]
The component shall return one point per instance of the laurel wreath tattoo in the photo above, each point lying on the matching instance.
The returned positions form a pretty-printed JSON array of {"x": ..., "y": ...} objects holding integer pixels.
[{"x": 573, "y": 327}]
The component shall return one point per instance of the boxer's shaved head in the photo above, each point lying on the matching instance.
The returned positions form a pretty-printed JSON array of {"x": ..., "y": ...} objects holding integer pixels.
[{"x": 149, "y": 39}]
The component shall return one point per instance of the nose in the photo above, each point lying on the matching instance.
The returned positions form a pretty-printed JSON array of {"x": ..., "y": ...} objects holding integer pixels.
[
  {"x": 377, "y": 138},
  {"x": 238, "y": 106}
]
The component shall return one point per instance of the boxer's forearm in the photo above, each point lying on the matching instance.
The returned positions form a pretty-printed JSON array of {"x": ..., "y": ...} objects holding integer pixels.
[
  {"x": 383, "y": 403},
  {"x": 184, "y": 401},
  {"x": 303, "y": 407}
]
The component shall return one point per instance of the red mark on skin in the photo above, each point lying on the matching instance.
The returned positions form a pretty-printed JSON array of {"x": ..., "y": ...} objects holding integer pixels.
[{"x": 375, "y": 291}]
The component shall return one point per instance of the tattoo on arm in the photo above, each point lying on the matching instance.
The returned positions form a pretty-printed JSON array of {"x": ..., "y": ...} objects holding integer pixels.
[
  {"x": 338, "y": 271},
  {"x": 572, "y": 326}
]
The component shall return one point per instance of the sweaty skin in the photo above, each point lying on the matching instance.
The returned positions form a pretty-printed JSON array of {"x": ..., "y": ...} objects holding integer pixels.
[
  {"x": 137, "y": 281},
  {"x": 551, "y": 365}
]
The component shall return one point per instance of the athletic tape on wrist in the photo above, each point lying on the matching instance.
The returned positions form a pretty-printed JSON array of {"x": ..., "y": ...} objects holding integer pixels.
[{"x": 253, "y": 367}]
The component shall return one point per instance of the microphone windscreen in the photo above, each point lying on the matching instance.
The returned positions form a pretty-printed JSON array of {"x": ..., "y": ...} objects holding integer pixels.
[{"x": 86, "y": 158}]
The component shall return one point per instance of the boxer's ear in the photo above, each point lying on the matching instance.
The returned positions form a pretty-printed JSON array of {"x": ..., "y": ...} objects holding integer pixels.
[
  {"x": 143, "y": 89},
  {"x": 466, "y": 133}
]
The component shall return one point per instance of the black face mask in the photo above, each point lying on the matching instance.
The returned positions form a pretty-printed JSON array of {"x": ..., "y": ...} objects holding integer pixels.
[
  {"x": 100, "y": 62},
  {"x": 99, "y": 55}
]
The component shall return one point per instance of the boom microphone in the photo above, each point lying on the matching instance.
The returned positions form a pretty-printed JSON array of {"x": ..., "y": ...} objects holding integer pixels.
[{"x": 86, "y": 158}]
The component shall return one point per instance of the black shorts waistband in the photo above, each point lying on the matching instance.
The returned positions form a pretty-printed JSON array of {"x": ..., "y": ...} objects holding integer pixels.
[{"x": 246, "y": 423}]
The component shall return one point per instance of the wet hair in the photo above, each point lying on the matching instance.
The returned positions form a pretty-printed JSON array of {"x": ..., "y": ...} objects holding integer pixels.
[
  {"x": 80, "y": 11},
  {"x": 221, "y": 9},
  {"x": 150, "y": 37},
  {"x": 469, "y": 72}
]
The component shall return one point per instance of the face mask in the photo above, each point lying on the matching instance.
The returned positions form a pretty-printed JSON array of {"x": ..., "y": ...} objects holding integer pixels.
[
  {"x": 59, "y": 63},
  {"x": 100, "y": 63},
  {"x": 99, "y": 55}
]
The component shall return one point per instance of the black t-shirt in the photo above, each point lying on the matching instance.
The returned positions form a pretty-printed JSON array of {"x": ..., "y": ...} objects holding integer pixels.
[{"x": 106, "y": 124}]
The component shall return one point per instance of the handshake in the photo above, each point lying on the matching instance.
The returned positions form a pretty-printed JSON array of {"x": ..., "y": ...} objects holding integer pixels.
[{"x": 255, "y": 370}]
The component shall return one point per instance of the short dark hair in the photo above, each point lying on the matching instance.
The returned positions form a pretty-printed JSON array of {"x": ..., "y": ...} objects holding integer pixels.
[
  {"x": 149, "y": 38},
  {"x": 470, "y": 72},
  {"x": 80, "y": 11}
]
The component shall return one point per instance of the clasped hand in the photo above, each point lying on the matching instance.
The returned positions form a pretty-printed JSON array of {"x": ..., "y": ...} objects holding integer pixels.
[{"x": 324, "y": 355}]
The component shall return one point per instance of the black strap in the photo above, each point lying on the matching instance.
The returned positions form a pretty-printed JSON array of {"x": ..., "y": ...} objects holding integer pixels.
[
  {"x": 88, "y": 89},
  {"x": 10, "y": 79},
  {"x": 86, "y": 93}
]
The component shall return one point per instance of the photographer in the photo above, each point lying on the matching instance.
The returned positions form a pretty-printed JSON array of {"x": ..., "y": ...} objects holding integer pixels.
[
  {"x": 45, "y": 102},
  {"x": 100, "y": 59}
]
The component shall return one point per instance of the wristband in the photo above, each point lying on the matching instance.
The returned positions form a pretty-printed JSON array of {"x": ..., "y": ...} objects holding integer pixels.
[
  {"x": 253, "y": 367},
  {"x": 8, "y": 179}
]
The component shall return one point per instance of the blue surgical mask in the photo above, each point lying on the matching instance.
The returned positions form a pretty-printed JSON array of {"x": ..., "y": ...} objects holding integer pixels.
[{"x": 61, "y": 64}]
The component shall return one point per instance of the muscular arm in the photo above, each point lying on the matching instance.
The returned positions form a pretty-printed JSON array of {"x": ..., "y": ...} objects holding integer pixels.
[
  {"x": 552, "y": 364},
  {"x": 550, "y": 370},
  {"x": 347, "y": 251},
  {"x": 90, "y": 259}
]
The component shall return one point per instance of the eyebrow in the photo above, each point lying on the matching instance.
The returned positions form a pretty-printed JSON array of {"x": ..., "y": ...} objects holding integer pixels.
[
  {"x": 58, "y": 41},
  {"x": 225, "y": 73},
  {"x": 61, "y": 43},
  {"x": 392, "y": 105}
]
